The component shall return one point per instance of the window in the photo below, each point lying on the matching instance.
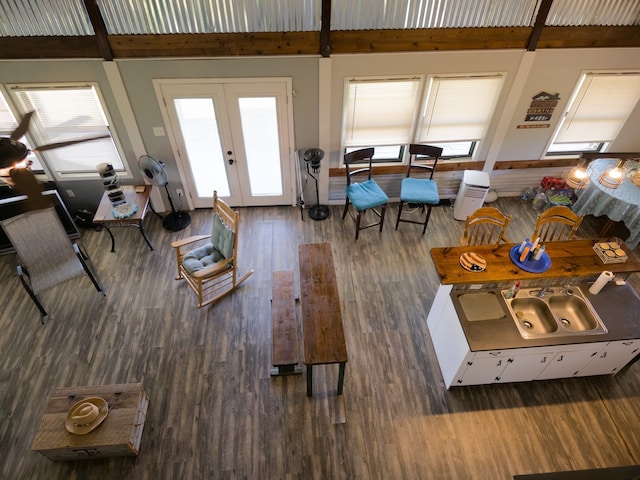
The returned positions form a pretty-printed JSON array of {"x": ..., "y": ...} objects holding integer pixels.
[
  {"x": 457, "y": 112},
  {"x": 597, "y": 112},
  {"x": 64, "y": 113},
  {"x": 380, "y": 113},
  {"x": 385, "y": 113}
]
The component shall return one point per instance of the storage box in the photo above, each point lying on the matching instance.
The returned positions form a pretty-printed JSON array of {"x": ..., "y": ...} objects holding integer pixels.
[
  {"x": 610, "y": 252},
  {"x": 119, "y": 435}
]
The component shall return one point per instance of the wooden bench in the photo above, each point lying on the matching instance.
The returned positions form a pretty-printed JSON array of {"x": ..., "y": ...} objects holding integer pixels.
[
  {"x": 322, "y": 329},
  {"x": 284, "y": 331}
]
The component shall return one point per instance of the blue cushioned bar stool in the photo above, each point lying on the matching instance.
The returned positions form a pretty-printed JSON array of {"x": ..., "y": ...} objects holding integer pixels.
[
  {"x": 421, "y": 192},
  {"x": 366, "y": 195}
]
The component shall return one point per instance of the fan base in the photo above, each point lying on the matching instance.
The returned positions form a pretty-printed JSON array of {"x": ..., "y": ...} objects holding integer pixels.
[
  {"x": 176, "y": 221},
  {"x": 319, "y": 212}
]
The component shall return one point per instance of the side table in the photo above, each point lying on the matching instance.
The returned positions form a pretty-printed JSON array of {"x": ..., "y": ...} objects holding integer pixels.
[
  {"x": 119, "y": 435},
  {"x": 104, "y": 214}
]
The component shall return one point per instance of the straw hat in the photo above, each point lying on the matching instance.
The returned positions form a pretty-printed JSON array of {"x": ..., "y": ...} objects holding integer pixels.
[{"x": 86, "y": 415}]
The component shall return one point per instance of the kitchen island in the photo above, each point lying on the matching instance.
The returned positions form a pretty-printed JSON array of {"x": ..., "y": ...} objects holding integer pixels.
[{"x": 492, "y": 350}]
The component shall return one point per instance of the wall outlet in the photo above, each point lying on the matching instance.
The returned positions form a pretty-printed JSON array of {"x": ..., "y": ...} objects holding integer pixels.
[
  {"x": 180, "y": 192},
  {"x": 70, "y": 193}
]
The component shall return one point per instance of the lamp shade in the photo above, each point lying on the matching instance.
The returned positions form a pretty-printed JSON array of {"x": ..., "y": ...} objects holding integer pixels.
[
  {"x": 578, "y": 177},
  {"x": 612, "y": 177}
]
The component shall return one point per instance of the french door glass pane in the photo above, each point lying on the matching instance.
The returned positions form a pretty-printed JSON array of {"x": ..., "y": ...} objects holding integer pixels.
[
  {"x": 199, "y": 128},
  {"x": 259, "y": 118}
]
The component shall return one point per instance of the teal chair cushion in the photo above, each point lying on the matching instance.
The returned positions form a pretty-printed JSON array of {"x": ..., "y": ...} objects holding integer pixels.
[
  {"x": 222, "y": 237},
  {"x": 419, "y": 190},
  {"x": 366, "y": 195},
  {"x": 201, "y": 257}
]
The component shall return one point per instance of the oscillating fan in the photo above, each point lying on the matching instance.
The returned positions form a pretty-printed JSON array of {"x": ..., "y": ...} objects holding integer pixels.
[
  {"x": 155, "y": 172},
  {"x": 312, "y": 159}
]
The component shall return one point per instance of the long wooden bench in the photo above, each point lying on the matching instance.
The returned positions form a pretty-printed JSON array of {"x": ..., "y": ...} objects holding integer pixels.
[
  {"x": 284, "y": 331},
  {"x": 322, "y": 329}
]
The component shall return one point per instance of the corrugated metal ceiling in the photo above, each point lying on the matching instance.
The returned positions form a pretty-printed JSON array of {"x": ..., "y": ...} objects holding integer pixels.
[{"x": 68, "y": 17}]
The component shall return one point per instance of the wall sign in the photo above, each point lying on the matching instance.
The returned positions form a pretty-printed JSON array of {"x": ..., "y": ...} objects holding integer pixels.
[{"x": 540, "y": 110}]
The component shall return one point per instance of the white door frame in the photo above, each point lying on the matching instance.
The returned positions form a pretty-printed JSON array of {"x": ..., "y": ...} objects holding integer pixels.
[{"x": 286, "y": 124}]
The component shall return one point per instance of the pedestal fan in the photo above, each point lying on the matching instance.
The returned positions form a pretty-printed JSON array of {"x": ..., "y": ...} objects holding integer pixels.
[
  {"x": 154, "y": 170},
  {"x": 312, "y": 159}
]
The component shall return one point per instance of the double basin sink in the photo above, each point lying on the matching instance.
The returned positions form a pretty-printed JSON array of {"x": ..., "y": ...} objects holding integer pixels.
[{"x": 537, "y": 312}]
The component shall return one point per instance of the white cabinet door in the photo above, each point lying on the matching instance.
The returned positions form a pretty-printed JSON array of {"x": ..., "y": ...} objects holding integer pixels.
[
  {"x": 612, "y": 358},
  {"x": 567, "y": 363},
  {"x": 480, "y": 370},
  {"x": 524, "y": 367}
]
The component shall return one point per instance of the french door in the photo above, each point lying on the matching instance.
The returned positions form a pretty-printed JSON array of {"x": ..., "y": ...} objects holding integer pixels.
[{"x": 233, "y": 137}]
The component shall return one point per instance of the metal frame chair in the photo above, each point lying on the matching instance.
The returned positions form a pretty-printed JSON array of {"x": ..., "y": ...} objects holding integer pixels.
[
  {"x": 47, "y": 256},
  {"x": 421, "y": 192},
  {"x": 208, "y": 263},
  {"x": 366, "y": 195}
]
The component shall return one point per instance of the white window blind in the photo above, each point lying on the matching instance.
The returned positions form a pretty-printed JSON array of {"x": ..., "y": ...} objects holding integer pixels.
[
  {"x": 8, "y": 122},
  {"x": 600, "y": 108},
  {"x": 458, "y": 108},
  {"x": 69, "y": 113},
  {"x": 380, "y": 112}
]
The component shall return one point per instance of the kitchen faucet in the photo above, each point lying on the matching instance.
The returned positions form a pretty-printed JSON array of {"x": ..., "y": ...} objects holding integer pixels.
[{"x": 541, "y": 292}]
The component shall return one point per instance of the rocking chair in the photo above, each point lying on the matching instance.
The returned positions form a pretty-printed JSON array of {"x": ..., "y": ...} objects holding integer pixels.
[{"x": 209, "y": 263}]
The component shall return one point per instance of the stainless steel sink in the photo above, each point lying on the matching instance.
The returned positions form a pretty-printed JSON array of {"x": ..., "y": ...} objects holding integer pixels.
[
  {"x": 550, "y": 312},
  {"x": 532, "y": 316}
]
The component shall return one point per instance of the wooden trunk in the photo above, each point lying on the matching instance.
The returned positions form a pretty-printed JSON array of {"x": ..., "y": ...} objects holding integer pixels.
[{"x": 119, "y": 435}]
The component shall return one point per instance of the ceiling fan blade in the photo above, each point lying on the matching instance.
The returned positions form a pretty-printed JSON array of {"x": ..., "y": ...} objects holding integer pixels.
[
  {"x": 51, "y": 146},
  {"x": 19, "y": 132}
]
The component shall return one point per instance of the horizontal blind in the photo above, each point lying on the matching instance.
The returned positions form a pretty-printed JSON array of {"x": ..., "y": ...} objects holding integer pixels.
[
  {"x": 380, "y": 112},
  {"x": 600, "y": 108},
  {"x": 8, "y": 122},
  {"x": 459, "y": 108},
  {"x": 69, "y": 113}
]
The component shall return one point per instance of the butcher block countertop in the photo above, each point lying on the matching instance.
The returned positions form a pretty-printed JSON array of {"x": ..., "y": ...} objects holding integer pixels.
[{"x": 573, "y": 258}]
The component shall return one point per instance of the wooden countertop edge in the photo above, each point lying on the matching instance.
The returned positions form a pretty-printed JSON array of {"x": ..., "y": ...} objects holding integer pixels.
[{"x": 574, "y": 258}]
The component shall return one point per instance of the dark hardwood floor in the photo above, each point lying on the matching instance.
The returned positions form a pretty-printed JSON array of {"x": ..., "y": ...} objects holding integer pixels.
[{"x": 215, "y": 411}]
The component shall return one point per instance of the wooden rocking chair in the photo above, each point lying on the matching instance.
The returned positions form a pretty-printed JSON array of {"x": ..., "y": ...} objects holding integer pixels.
[{"x": 209, "y": 263}]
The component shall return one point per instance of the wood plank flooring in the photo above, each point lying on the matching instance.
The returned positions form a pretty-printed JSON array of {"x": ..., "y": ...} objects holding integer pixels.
[{"x": 216, "y": 413}]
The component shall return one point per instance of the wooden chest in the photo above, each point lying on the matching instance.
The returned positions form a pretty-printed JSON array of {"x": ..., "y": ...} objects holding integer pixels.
[{"x": 119, "y": 435}]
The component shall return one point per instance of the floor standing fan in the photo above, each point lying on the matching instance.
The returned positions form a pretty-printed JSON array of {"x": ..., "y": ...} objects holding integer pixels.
[
  {"x": 155, "y": 172},
  {"x": 312, "y": 159}
]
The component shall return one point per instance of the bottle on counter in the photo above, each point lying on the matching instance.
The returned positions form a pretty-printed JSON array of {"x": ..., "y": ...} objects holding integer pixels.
[{"x": 512, "y": 290}]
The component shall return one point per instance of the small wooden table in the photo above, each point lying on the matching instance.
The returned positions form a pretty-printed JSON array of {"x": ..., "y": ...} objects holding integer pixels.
[
  {"x": 322, "y": 329},
  {"x": 119, "y": 435},
  {"x": 104, "y": 214}
]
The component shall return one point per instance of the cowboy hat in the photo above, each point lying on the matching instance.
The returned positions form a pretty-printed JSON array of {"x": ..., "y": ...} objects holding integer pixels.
[{"x": 86, "y": 415}]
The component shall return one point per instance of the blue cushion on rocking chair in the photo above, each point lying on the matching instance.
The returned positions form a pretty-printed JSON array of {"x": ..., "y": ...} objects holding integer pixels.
[{"x": 201, "y": 257}]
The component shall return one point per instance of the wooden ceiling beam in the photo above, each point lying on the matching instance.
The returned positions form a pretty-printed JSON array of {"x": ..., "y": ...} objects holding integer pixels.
[
  {"x": 414, "y": 40},
  {"x": 541, "y": 18},
  {"x": 310, "y": 43},
  {"x": 19, "y": 48},
  {"x": 325, "y": 29},
  {"x": 215, "y": 45},
  {"x": 100, "y": 29},
  {"x": 590, "y": 37}
]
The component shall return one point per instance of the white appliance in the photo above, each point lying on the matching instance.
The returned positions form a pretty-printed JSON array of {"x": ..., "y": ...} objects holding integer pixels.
[{"x": 473, "y": 190}]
